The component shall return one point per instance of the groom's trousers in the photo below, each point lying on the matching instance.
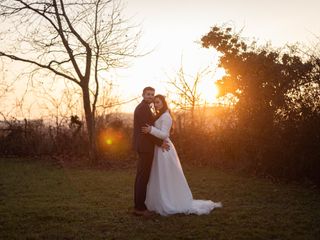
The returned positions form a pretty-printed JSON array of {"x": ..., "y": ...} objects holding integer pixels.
[{"x": 142, "y": 178}]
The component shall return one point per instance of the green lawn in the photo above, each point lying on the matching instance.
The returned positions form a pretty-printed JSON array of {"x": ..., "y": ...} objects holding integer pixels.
[{"x": 44, "y": 201}]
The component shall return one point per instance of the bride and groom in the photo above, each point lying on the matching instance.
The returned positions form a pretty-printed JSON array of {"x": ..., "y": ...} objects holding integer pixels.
[{"x": 160, "y": 184}]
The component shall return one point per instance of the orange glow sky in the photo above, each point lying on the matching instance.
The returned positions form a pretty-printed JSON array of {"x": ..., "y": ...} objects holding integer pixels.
[{"x": 172, "y": 27}]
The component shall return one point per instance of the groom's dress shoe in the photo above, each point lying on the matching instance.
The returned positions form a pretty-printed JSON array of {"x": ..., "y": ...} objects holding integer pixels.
[
  {"x": 138, "y": 212},
  {"x": 143, "y": 213},
  {"x": 148, "y": 213}
]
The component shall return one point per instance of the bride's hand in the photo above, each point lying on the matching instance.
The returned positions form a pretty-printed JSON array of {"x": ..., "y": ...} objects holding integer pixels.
[{"x": 146, "y": 129}]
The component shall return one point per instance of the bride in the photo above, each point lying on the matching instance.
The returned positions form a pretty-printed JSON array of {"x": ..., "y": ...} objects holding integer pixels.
[{"x": 168, "y": 191}]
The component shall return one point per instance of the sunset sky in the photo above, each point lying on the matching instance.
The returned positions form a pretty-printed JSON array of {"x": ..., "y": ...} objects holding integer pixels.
[{"x": 172, "y": 28}]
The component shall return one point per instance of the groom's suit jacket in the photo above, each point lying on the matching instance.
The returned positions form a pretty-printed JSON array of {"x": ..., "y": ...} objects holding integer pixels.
[{"x": 143, "y": 116}]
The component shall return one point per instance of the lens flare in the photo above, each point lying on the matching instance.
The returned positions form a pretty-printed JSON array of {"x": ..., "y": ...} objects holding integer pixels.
[
  {"x": 109, "y": 141},
  {"x": 113, "y": 141}
]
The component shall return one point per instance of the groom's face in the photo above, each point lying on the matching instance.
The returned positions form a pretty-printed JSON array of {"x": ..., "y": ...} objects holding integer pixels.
[{"x": 148, "y": 96}]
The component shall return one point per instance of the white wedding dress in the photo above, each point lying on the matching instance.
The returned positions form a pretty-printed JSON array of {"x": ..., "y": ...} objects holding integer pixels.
[{"x": 168, "y": 191}]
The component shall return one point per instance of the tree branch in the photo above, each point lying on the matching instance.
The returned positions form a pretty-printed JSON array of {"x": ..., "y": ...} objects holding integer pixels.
[
  {"x": 13, "y": 57},
  {"x": 65, "y": 42},
  {"x": 84, "y": 43}
]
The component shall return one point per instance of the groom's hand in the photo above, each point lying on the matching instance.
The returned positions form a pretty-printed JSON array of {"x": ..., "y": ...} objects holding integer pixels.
[{"x": 165, "y": 146}]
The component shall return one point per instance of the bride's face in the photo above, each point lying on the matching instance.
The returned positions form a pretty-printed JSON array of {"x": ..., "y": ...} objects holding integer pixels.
[{"x": 158, "y": 104}]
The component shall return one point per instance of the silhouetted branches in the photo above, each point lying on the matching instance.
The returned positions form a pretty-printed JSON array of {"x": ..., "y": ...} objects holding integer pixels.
[{"x": 75, "y": 40}]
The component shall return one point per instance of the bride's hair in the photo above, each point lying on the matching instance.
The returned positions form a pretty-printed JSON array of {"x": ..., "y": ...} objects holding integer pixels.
[{"x": 163, "y": 109}]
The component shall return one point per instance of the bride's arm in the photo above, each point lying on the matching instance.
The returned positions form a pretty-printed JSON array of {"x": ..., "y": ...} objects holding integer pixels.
[{"x": 164, "y": 132}]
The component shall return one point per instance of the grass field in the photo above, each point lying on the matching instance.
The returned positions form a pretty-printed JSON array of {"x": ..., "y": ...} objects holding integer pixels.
[{"x": 39, "y": 200}]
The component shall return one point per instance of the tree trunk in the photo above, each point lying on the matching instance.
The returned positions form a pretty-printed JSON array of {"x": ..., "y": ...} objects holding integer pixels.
[{"x": 89, "y": 114}]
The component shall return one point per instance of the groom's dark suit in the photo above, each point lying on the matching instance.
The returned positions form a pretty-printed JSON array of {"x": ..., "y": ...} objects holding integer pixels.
[{"x": 144, "y": 146}]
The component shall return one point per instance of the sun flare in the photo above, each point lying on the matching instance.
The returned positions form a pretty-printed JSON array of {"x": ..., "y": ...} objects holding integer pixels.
[{"x": 208, "y": 89}]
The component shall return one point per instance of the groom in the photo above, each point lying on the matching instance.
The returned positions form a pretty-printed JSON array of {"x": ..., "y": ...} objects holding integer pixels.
[{"x": 144, "y": 145}]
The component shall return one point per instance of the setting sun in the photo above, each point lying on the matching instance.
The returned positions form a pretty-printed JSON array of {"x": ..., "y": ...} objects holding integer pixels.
[{"x": 208, "y": 90}]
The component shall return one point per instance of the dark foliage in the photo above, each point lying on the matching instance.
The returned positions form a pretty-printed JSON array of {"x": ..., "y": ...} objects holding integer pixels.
[{"x": 277, "y": 130}]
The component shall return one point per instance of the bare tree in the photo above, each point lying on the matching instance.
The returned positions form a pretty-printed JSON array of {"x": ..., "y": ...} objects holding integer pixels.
[
  {"x": 5, "y": 86},
  {"x": 71, "y": 39},
  {"x": 187, "y": 89}
]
